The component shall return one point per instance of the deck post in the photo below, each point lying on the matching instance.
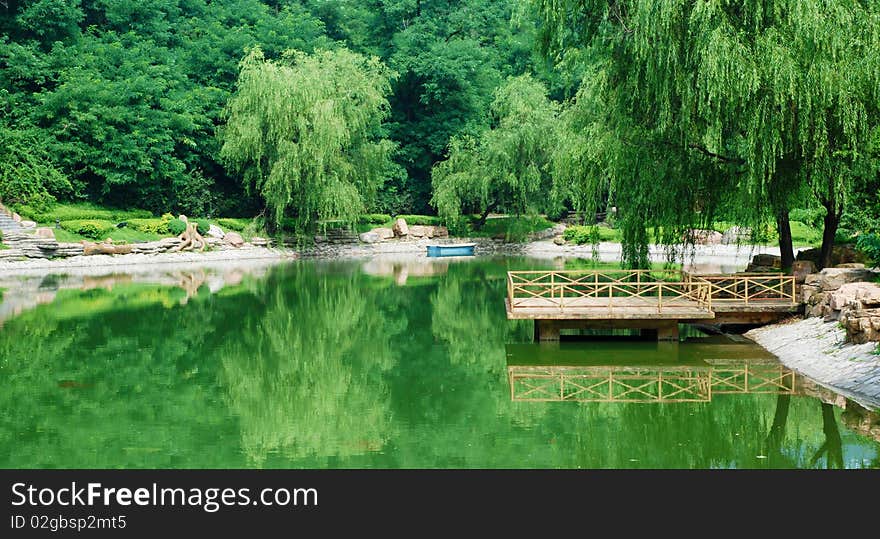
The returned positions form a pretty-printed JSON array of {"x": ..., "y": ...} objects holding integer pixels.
[
  {"x": 668, "y": 332},
  {"x": 546, "y": 330}
]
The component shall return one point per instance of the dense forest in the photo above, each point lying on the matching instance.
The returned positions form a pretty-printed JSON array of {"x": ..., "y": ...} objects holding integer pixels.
[{"x": 675, "y": 113}]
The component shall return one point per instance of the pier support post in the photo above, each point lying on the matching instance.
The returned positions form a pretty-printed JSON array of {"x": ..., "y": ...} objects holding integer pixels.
[
  {"x": 668, "y": 332},
  {"x": 546, "y": 330}
]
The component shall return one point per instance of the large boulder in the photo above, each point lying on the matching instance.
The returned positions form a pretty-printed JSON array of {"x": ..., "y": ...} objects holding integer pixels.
[
  {"x": 856, "y": 295},
  {"x": 736, "y": 234},
  {"x": 400, "y": 228},
  {"x": 383, "y": 233},
  {"x": 861, "y": 325},
  {"x": 45, "y": 232},
  {"x": 772, "y": 261},
  {"x": 369, "y": 237},
  {"x": 833, "y": 278},
  {"x": 840, "y": 254},
  {"x": 215, "y": 231},
  {"x": 234, "y": 239},
  {"x": 28, "y": 224},
  {"x": 418, "y": 231},
  {"x": 439, "y": 232},
  {"x": 801, "y": 268}
]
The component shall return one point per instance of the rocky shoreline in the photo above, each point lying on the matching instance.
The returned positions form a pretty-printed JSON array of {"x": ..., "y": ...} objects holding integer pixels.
[{"x": 819, "y": 350}]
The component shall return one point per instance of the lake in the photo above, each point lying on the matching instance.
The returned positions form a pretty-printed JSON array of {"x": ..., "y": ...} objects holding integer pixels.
[{"x": 383, "y": 363}]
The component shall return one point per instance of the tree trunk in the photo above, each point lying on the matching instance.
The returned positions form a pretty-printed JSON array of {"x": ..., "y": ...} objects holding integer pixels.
[
  {"x": 786, "y": 250},
  {"x": 482, "y": 220},
  {"x": 832, "y": 221}
]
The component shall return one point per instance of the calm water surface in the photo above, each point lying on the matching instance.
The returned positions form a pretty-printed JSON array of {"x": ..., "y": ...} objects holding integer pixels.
[{"x": 376, "y": 364}]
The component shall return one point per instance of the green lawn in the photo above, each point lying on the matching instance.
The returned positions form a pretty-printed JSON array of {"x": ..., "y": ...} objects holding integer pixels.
[
  {"x": 124, "y": 234},
  {"x": 83, "y": 211}
]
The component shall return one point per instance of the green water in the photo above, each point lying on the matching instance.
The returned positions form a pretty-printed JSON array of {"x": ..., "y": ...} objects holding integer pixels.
[{"x": 347, "y": 365}]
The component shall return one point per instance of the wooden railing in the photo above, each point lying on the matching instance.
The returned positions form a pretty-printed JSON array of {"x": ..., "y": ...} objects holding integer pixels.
[
  {"x": 639, "y": 288},
  {"x": 752, "y": 288},
  {"x": 577, "y": 288},
  {"x": 646, "y": 384}
]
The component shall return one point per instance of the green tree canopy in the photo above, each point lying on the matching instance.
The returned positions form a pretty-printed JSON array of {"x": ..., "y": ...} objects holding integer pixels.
[
  {"x": 505, "y": 167},
  {"x": 305, "y": 132},
  {"x": 762, "y": 101}
]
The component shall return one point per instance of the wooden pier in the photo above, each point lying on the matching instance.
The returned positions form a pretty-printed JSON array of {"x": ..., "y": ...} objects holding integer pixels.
[{"x": 647, "y": 300}]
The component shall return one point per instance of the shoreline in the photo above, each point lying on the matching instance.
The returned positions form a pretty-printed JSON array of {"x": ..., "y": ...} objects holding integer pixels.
[
  {"x": 707, "y": 258},
  {"x": 816, "y": 349}
]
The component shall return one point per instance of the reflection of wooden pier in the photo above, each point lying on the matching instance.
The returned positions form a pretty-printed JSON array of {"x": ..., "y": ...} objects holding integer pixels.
[
  {"x": 660, "y": 384},
  {"x": 655, "y": 301}
]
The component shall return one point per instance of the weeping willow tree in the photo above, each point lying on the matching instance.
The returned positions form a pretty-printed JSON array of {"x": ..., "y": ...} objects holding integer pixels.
[
  {"x": 506, "y": 166},
  {"x": 304, "y": 131},
  {"x": 691, "y": 107}
]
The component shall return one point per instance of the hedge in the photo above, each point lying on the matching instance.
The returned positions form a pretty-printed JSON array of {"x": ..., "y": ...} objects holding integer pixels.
[
  {"x": 374, "y": 219},
  {"x": 233, "y": 224},
  {"x": 149, "y": 226},
  {"x": 96, "y": 229},
  {"x": 420, "y": 219}
]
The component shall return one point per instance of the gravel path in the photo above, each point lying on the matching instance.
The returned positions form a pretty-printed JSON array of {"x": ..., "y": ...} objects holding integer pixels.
[{"x": 817, "y": 349}]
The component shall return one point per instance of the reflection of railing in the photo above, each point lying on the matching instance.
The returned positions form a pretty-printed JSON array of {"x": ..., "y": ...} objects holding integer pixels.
[
  {"x": 664, "y": 384},
  {"x": 752, "y": 288},
  {"x": 606, "y": 289}
]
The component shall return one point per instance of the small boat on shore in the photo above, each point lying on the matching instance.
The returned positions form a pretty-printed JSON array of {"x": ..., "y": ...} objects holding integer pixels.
[{"x": 452, "y": 249}]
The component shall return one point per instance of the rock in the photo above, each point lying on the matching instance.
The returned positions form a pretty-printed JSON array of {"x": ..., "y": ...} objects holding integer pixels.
[
  {"x": 45, "y": 232},
  {"x": 703, "y": 237},
  {"x": 761, "y": 269},
  {"x": 234, "y": 239},
  {"x": 861, "y": 325},
  {"x": 547, "y": 233},
  {"x": 28, "y": 224},
  {"x": 16, "y": 217},
  {"x": 840, "y": 254},
  {"x": 440, "y": 232},
  {"x": 215, "y": 231},
  {"x": 259, "y": 242},
  {"x": 772, "y": 261},
  {"x": 400, "y": 228},
  {"x": 856, "y": 295},
  {"x": 559, "y": 240},
  {"x": 383, "y": 233},
  {"x": 418, "y": 231},
  {"x": 183, "y": 218},
  {"x": 369, "y": 237},
  {"x": 834, "y": 278},
  {"x": 808, "y": 292},
  {"x": 850, "y": 265},
  {"x": 318, "y": 238},
  {"x": 736, "y": 234},
  {"x": 801, "y": 268}
]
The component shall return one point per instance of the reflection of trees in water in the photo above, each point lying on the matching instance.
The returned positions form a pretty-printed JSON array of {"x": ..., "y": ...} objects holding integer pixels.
[
  {"x": 87, "y": 384},
  {"x": 832, "y": 448},
  {"x": 304, "y": 373}
]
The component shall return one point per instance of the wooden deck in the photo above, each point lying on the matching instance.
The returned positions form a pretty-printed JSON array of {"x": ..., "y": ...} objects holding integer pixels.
[{"x": 640, "y": 298}]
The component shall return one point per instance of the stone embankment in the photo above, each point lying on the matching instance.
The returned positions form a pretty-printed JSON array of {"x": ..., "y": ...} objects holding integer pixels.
[{"x": 836, "y": 343}]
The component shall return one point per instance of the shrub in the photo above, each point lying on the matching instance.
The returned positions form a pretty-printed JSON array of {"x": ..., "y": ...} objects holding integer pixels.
[
  {"x": 808, "y": 216},
  {"x": 149, "y": 226},
  {"x": 237, "y": 225},
  {"x": 374, "y": 219},
  {"x": 419, "y": 219},
  {"x": 870, "y": 245},
  {"x": 95, "y": 229},
  {"x": 203, "y": 225},
  {"x": 176, "y": 227},
  {"x": 581, "y": 235}
]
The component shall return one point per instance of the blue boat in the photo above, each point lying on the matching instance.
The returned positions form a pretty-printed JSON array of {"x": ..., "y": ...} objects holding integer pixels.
[{"x": 452, "y": 249}]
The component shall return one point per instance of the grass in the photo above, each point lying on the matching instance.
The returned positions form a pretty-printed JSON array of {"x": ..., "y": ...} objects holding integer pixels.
[
  {"x": 125, "y": 234},
  {"x": 510, "y": 228},
  {"x": 85, "y": 211}
]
